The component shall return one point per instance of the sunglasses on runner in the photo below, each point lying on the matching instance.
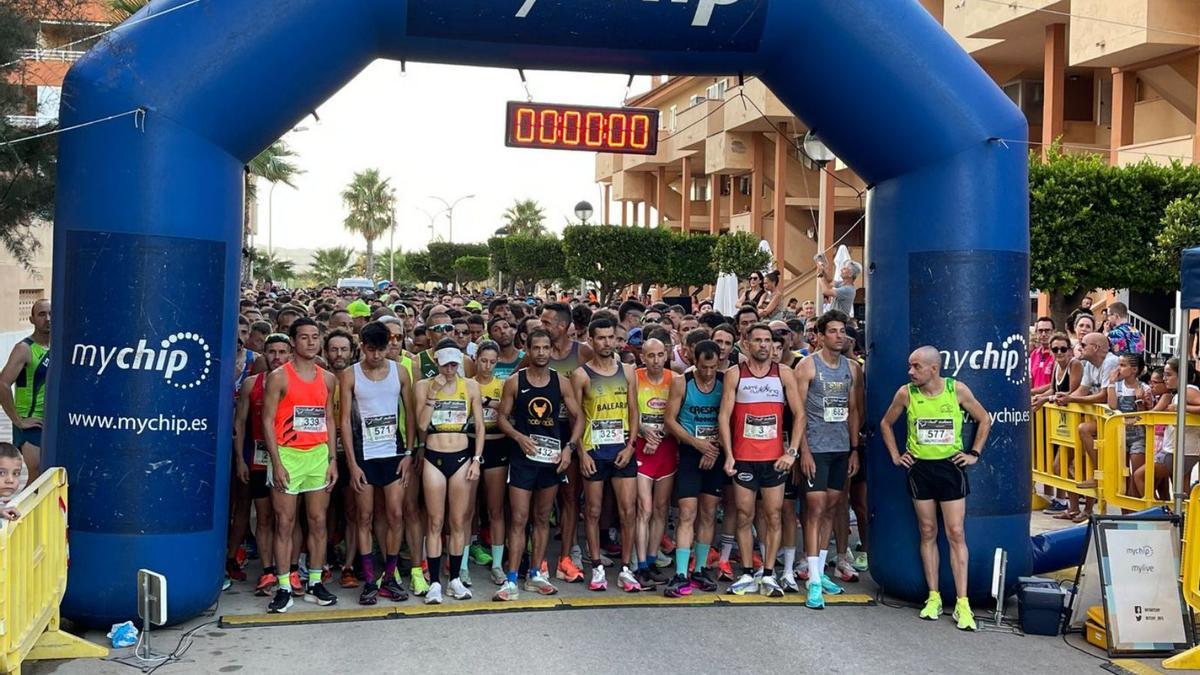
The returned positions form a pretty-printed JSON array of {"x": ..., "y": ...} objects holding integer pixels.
[
  {"x": 442, "y": 328},
  {"x": 396, "y": 338},
  {"x": 1060, "y": 350}
]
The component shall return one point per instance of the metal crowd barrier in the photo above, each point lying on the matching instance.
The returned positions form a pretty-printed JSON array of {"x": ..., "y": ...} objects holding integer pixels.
[
  {"x": 1190, "y": 573},
  {"x": 33, "y": 577}
]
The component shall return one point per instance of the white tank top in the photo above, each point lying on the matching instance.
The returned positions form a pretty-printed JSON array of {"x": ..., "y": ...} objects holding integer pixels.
[{"x": 378, "y": 407}]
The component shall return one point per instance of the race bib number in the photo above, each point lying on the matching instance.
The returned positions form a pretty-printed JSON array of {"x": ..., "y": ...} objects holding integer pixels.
[
  {"x": 490, "y": 415},
  {"x": 706, "y": 433},
  {"x": 761, "y": 428},
  {"x": 653, "y": 421},
  {"x": 308, "y": 419},
  {"x": 837, "y": 408},
  {"x": 261, "y": 456},
  {"x": 546, "y": 449},
  {"x": 935, "y": 432},
  {"x": 379, "y": 429},
  {"x": 449, "y": 413},
  {"x": 608, "y": 432}
]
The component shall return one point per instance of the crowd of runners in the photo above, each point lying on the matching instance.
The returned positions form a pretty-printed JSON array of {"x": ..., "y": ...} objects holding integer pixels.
[{"x": 389, "y": 442}]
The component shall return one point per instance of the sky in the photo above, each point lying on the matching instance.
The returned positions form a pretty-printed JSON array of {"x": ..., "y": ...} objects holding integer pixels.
[{"x": 434, "y": 130}]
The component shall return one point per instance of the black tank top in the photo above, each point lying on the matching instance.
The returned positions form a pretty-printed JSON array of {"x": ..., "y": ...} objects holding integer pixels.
[
  {"x": 535, "y": 410},
  {"x": 1062, "y": 385}
]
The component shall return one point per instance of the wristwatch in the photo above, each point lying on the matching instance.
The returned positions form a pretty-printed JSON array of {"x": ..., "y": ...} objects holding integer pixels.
[
  {"x": 792, "y": 452},
  {"x": 477, "y": 458}
]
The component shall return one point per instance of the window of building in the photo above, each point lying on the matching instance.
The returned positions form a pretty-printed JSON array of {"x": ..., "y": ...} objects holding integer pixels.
[
  {"x": 717, "y": 91},
  {"x": 673, "y": 118},
  {"x": 699, "y": 190},
  {"x": 25, "y": 299}
]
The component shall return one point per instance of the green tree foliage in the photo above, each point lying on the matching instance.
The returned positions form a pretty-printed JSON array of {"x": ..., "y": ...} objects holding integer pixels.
[
  {"x": 690, "y": 261},
  {"x": 396, "y": 260},
  {"x": 1096, "y": 226},
  {"x": 330, "y": 264},
  {"x": 498, "y": 254},
  {"x": 1180, "y": 230},
  {"x": 273, "y": 268},
  {"x": 738, "y": 254},
  {"x": 370, "y": 203},
  {"x": 535, "y": 258},
  {"x": 525, "y": 216},
  {"x": 442, "y": 255},
  {"x": 472, "y": 268},
  {"x": 420, "y": 267},
  {"x": 614, "y": 256}
]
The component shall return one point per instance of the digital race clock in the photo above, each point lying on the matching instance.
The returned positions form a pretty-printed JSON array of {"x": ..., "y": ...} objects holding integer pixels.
[{"x": 590, "y": 128}]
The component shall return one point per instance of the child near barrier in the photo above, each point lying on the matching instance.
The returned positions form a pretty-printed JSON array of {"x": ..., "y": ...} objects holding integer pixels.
[
  {"x": 1164, "y": 454},
  {"x": 1127, "y": 394},
  {"x": 10, "y": 479}
]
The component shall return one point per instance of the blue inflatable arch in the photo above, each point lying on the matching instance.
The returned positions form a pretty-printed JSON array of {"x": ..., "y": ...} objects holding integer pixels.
[{"x": 147, "y": 242}]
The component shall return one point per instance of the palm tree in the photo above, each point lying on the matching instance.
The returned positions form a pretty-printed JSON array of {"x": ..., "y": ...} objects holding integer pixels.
[
  {"x": 371, "y": 210},
  {"x": 330, "y": 264},
  {"x": 273, "y": 268},
  {"x": 396, "y": 263},
  {"x": 525, "y": 216}
]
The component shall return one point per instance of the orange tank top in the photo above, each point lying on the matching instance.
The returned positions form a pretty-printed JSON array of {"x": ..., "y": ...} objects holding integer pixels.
[{"x": 300, "y": 417}]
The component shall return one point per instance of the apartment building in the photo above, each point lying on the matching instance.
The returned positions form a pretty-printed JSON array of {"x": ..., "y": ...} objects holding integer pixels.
[
  {"x": 59, "y": 42},
  {"x": 1113, "y": 77}
]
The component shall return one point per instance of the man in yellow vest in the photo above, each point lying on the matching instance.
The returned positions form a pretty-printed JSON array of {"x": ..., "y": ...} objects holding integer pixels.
[{"x": 936, "y": 464}]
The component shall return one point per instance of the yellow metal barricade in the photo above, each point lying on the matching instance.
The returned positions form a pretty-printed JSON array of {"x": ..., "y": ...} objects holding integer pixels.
[
  {"x": 1120, "y": 467},
  {"x": 33, "y": 574},
  {"x": 1190, "y": 572},
  {"x": 1058, "y": 456}
]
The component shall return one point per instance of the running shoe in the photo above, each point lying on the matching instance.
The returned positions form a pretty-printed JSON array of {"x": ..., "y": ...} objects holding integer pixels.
[
  {"x": 657, "y": 575},
  {"x": 678, "y": 587},
  {"x": 666, "y": 545},
  {"x": 860, "y": 561},
  {"x": 816, "y": 599},
  {"x": 281, "y": 603},
  {"x": 480, "y": 555},
  {"x": 540, "y": 584},
  {"x": 645, "y": 581},
  {"x": 577, "y": 556},
  {"x": 226, "y": 583},
  {"x": 770, "y": 588},
  {"x": 802, "y": 570},
  {"x": 266, "y": 585},
  {"x": 326, "y": 574},
  {"x": 318, "y": 595},
  {"x": 744, "y": 584},
  {"x": 419, "y": 585},
  {"x": 297, "y": 583},
  {"x": 369, "y": 595},
  {"x": 830, "y": 587},
  {"x": 758, "y": 561},
  {"x": 234, "y": 571},
  {"x": 664, "y": 560},
  {"x": 544, "y": 570},
  {"x": 251, "y": 548},
  {"x": 599, "y": 582},
  {"x": 457, "y": 590},
  {"x": 788, "y": 581},
  {"x": 508, "y": 591},
  {"x": 607, "y": 561},
  {"x": 433, "y": 596},
  {"x": 963, "y": 615},
  {"x": 240, "y": 557},
  {"x": 464, "y": 575},
  {"x": 1056, "y": 507},
  {"x": 498, "y": 576},
  {"x": 724, "y": 570},
  {"x": 714, "y": 556},
  {"x": 568, "y": 571},
  {"x": 844, "y": 570},
  {"x": 392, "y": 589},
  {"x": 627, "y": 581},
  {"x": 703, "y": 581},
  {"x": 349, "y": 579},
  {"x": 932, "y": 610}
]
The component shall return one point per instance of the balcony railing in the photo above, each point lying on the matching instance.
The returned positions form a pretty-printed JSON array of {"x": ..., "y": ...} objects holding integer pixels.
[
  {"x": 27, "y": 121},
  {"x": 50, "y": 54}
]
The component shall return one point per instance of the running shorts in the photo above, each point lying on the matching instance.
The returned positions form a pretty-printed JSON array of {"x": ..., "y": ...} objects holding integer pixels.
[
  {"x": 938, "y": 479},
  {"x": 381, "y": 472},
  {"x": 691, "y": 481},
  {"x": 661, "y": 464},
  {"x": 607, "y": 468},
  {"x": 306, "y": 469},
  {"x": 833, "y": 469},
  {"x": 31, "y": 436},
  {"x": 496, "y": 452},
  {"x": 259, "y": 489},
  {"x": 526, "y": 474},
  {"x": 758, "y": 475}
]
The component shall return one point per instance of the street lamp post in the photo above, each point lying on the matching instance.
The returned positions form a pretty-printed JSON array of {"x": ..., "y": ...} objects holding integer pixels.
[
  {"x": 583, "y": 211},
  {"x": 449, "y": 211}
]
